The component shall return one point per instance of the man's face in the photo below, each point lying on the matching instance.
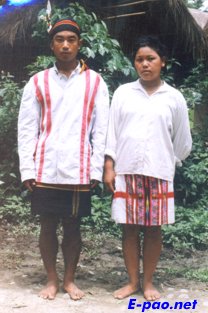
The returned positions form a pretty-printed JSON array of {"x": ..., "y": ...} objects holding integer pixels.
[{"x": 65, "y": 46}]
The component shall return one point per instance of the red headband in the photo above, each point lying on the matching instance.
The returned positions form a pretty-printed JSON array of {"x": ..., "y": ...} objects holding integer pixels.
[{"x": 64, "y": 24}]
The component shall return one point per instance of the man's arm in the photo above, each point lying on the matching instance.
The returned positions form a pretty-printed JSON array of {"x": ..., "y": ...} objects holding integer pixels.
[
  {"x": 28, "y": 131},
  {"x": 99, "y": 131}
]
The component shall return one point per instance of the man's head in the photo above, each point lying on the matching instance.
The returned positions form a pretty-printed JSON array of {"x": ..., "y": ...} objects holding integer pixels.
[
  {"x": 64, "y": 24},
  {"x": 65, "y": 40}
]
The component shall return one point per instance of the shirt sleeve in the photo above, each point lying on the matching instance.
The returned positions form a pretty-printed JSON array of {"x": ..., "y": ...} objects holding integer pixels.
[
  {"x": 182, "y": 140},
  {"x": 111, "y": 141},
  {"x": 99, "y": 130},
  {"x": 28, "y": 131}
]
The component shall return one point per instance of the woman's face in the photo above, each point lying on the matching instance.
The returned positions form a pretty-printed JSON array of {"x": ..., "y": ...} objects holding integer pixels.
[{"x": 148, "y": 64}]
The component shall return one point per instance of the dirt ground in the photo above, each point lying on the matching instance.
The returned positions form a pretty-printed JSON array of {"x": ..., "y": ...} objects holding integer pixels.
[{"x": 100, "y": 271}]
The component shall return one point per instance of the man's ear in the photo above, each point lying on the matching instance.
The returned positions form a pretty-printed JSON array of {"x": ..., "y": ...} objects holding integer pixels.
[{"x": 80, "y": 43}]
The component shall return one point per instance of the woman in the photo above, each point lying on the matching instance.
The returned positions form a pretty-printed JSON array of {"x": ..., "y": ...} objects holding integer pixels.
[{"x": 148, "y": 135}]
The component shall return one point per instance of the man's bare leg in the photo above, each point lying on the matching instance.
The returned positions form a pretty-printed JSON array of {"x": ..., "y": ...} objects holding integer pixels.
[
  {"x": 131, "y": 253},
  {"x": 152, "y": 250},
  {"x": 48, "y": 244},
  {"x": 71, "y": 247}
]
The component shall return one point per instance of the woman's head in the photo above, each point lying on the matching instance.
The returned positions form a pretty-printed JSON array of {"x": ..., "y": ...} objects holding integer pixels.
[
  {"x": 149, "y": 58},
  {"x": 151, "y": 42}
]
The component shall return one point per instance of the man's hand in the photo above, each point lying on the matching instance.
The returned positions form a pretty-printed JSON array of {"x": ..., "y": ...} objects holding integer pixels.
[
  {"x": 93, "y": 183},
  {"x": 29, "y": 184}
]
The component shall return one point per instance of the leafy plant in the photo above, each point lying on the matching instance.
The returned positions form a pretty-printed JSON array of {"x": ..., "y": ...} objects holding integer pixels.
[
  {"x": 191, "y": 180},
  {"x": 190, "y": 230},
  {"x": 195, "y": 86},
  {"x": 14, "y": 209},
  {"x": 41, "y": 62},
  {"x": 10, "y": 97},
  {"x": 169, "y": 70},
  {"x": 193, "y": 3},
  {"x": 189, "y": 273},
  {"x": 200, "y": 274},
  {"x": 101, "y": 216}
]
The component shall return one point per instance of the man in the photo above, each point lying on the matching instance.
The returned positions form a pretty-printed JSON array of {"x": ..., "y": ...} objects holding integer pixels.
[{"x": 61, "y": 138}]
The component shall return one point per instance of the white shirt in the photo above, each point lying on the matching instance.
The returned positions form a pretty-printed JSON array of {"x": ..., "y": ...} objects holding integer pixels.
[
  {"x": 148, "y": 134},
  {"x": 62, "y": 127}
]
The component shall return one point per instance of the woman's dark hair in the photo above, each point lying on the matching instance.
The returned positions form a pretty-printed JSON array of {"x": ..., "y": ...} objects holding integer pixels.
[{"x": 153, "y": 42}]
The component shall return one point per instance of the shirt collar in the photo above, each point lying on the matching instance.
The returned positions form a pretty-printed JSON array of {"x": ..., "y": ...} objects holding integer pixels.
[
  {"x": 77, "y": 70},
  {"x": 137, "y": 85}
]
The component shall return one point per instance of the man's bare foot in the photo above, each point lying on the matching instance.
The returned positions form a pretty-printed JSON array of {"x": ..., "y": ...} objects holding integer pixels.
[
  {"x": 74, "y": 292},
  {"x": 50, "y": 290},
  {"x": 151, "y": 293},
  {"x": 125, "y": 291}
]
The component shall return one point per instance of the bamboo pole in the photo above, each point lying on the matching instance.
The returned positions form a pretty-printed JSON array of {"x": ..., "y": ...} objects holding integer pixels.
[
  {"x": 127, "y": 4},
  {"x": 124, "y": 15}
]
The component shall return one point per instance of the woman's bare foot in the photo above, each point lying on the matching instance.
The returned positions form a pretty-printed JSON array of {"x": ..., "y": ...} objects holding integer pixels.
[
  {"x": 151, "y": 293},
  {"x": 50, "y": 290},
  {"x": 74, "y": 292},
  {"x": 125, "y": 291}
]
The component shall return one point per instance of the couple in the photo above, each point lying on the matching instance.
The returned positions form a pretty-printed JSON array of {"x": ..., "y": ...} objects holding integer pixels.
[{"x": 63, "y": 124}]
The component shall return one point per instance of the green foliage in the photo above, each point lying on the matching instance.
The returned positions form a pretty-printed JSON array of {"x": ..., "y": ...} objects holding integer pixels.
[
  {"x": 100, "y": 220},
  {"x": 191, "y": 180},
  {"x": 168, "y": 73},
  {"x": 200, "y": 274},
  {"x": 195, "y": 86},
  {"x": 10, "y": 95},
  {"x": 193, "y": 3},
  {"x": 14, "y": 209},
  {"x": 189, "y": 273},
  {"x": 99, "y": 50},
  {"x": 190, "y": 230},
  {"x": 41, "y": 62}
]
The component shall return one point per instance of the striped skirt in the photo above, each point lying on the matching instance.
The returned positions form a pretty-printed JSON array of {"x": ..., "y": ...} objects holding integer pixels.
[{"x": 143, "y": 201}]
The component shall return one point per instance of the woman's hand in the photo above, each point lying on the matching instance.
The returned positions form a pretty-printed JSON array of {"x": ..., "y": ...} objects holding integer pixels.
[
  {"x": 109, "y": 180},
  {"x": 109, "y": 174}
]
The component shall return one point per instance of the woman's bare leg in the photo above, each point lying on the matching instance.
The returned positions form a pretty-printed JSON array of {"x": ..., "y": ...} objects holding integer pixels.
[
  {"x": 131, "y": 253},
  {"x": 151, "y": 251}
]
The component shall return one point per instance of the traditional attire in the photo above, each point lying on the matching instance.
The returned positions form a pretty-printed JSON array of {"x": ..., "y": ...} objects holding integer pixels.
[
  {"x": 147, "y": 136},
  {"x": 62, "y": 130}
]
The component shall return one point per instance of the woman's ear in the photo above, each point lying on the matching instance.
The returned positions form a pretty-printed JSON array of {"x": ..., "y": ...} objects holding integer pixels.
[{"x": 163, "y": 62}]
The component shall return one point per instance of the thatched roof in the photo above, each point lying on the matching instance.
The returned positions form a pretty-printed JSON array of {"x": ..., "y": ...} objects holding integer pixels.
[
  {"x": 16, "y": 25},
  {"x": 170, "y": 19},
  {"x": 178, "y": 27}
]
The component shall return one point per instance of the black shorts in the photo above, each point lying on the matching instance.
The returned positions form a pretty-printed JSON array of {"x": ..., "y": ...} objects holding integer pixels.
[{"x": 63, "y": 203}]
